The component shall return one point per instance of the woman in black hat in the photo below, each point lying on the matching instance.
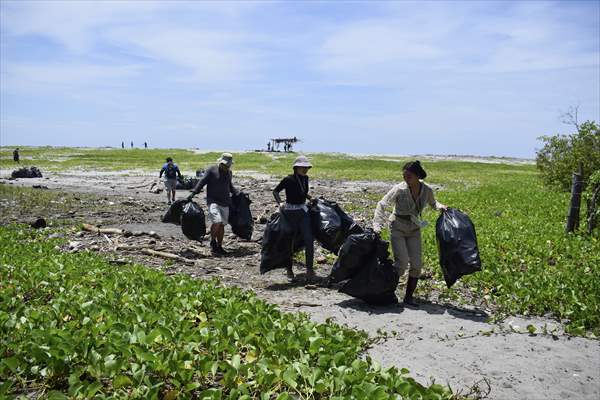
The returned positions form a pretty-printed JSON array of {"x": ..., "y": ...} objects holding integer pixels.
[{"x": 408, "y": 200}]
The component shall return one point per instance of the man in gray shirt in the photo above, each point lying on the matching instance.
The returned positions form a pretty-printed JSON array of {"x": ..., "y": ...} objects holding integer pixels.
[{"x": 219, "y": 188}]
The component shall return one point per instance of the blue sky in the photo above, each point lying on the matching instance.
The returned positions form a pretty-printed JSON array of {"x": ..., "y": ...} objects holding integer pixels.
[{"x": 441, "y": 77}]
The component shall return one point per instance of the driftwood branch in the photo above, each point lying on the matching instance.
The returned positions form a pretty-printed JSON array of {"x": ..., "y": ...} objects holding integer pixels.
[
  {"x": 95, "y": 229},
  {"x": 117, "y": 231},
  {"x": 170, "y": 256},
  {"x": 130, "y": 247},
  {"x": 145, "y": 185}
]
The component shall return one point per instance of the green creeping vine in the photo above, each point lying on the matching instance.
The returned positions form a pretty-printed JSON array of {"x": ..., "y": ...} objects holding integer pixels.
[{"x": 74, "y": 326}]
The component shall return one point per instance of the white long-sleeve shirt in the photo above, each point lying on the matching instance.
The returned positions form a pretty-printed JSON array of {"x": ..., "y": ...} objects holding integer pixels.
[{"x": 400, "y": 198}]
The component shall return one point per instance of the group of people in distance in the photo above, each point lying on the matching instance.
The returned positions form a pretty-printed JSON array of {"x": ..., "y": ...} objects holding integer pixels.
[{"x": 400, "y": 210}]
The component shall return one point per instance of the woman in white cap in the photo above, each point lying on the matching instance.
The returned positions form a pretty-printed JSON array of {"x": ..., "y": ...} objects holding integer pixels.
[
  {"x": 408, "y": 200},
  {"x": 218, "y": 197},
  {"x": 296, "y": 195}
]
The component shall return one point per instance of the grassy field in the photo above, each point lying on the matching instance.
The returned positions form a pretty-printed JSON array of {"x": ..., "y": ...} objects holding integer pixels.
[
  {"x": 529, "y": 265},
  {"x": 75, "y": 326},
  {"x": 336, "y": 166}
]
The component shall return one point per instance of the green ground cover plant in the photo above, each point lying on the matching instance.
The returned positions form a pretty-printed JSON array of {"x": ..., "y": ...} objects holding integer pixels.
[{"x": 74, "y": 326}]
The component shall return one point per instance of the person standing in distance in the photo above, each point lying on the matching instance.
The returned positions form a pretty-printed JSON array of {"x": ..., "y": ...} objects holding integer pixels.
[
  {"x": 219, "y": 187},
  {"x": 16, "y": 155},
  {"x": 171, "y": 171},
  {"x": 408, "y": 200}
]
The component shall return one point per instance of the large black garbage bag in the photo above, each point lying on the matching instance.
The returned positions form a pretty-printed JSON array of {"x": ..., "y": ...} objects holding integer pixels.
[
  {"x": 375, "y": 282},
  {"x": 457, "y": 245},
  {"x": 32, "y": 172},
  {"x": 355, "y": 252},
  {"x": 279, "y": 243},
  {"x": 240, "y": 217},
  {"x": 364, "y": 260},
  {"x": 173, "y": 214},
  {"x": 330, "y": 224},
  {"x": 186, "y": 183},
  {"x": 192, "y": 221},
  {"x": 352, "y": 256}
]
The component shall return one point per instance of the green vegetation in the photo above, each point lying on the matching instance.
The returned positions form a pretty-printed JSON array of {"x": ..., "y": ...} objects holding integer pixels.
[
  {"x": 561, "y": 155},
  {"x": 335, "y": 166},
  {"x": 74, "y": 326}
]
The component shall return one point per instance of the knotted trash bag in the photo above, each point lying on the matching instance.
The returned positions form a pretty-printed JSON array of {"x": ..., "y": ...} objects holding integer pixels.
[
  {"x": 352, "y": 255},
  {"x": 192, "y": 221},
  {"x": 240, "y": 217},
  {"x": 173, "y": 214},
  {"x": 280, "y": 241},
  {"x": 355, "y": 251},
  {"x": 375, "y": 282},
  {"x": 364, "y": 261},
  {"x": 457, "y": 245},
  {"x": 330, "y": 224}
]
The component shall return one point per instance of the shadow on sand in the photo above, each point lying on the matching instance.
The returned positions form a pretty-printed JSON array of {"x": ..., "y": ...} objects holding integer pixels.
[{"x": 475, "y": 315}]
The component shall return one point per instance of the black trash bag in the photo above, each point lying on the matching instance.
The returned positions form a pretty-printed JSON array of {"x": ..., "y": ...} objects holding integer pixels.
[
  {"x": 240, "y": 217},
  {"x": 375, "y": 283},
  {"x": 32, "y": 172},
  {"x": 330, "y": 224},
  {"x": 173, "y": 214},
  {"x": 186, "y": 183},
  {"x": 193, "y": 225},
  {"x": 352, "y": 255},
  {"x": 356, "y": 250},
  {"x": 457, "y": 245},
  {"x": 280, "y": 241}
]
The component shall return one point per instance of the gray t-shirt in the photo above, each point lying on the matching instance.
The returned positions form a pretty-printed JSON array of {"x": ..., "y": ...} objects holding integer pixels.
[{"x": 218, "y": 186}]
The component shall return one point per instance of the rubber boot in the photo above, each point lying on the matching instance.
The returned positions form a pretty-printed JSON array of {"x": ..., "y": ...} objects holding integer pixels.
[
  {"x": 289, "y": 273},
  {"x": 411, "y": 285},
  {"x": 222, "y": 251},
  {"x": 310, "y": 274},
  {"x": 214, "y": 247}
]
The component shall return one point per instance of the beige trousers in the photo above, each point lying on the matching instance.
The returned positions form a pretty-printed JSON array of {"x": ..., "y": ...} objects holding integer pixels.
[{"x": 406, "y": 246}]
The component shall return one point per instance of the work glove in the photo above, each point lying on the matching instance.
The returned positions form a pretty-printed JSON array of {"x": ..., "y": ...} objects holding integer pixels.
[{"x": 191, "y": 196}]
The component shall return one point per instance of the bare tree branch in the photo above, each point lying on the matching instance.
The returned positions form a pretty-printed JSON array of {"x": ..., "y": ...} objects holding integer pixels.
[{"x": 570, "y": 117}]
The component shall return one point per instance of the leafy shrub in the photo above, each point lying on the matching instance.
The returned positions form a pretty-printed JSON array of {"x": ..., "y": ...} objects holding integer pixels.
[
  {"x": 73, "y": 325},
  {"x": 561, "y": 154}
]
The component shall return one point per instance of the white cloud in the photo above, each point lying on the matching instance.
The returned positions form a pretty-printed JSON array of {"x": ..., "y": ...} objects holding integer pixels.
[
  {"x": 441, "y": 38},
  {"x": 72, "y": 23},
  {"x": 206, "y": 55},
  {"x": 207, "y": 52},
  {"x": 39, "y": 78}
]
